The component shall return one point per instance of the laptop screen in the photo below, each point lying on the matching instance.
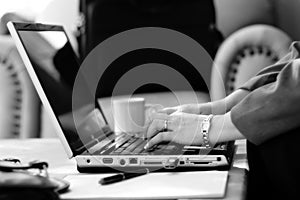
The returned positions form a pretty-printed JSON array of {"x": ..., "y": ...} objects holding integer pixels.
[{"x": 55, "y": 65}]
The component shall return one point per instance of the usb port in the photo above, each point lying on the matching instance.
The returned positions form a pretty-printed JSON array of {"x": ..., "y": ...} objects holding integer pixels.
[{"x": 107, "y": 160}]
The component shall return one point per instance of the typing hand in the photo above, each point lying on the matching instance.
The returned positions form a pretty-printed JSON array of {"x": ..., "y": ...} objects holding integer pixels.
[{"x": 182, "y": 128}]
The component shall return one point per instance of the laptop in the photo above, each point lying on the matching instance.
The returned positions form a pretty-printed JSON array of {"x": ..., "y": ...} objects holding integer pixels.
[{"x": 93, "y": 144}]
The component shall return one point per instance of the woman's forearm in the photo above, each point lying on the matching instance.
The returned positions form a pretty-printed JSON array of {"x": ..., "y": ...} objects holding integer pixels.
[
  {"x": 223, "y": 130},
  {"x": 224, "y": 105},
  {"x": 235, "y": 97},
  {"x": 217, "y": 107}
]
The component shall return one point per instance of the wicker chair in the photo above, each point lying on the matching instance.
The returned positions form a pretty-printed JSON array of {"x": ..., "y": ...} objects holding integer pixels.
[
  {"x": 19, "y": 103},
  {"x": 243, "y": 54}
]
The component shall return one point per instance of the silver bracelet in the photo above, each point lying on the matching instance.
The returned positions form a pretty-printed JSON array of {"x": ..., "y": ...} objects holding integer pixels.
[{"x": 205, "y": 126}]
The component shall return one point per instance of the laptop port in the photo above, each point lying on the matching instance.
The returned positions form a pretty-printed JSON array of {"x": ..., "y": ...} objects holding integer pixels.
[
  {"x": 200, "y": 162},
  {"x": 107, "y": 160},
  {"x": 122, "y": 162},
  {"x": 133, "y": 161},
  {"x": 171, "y": 163},
  {"x": 152, "y": 162}
]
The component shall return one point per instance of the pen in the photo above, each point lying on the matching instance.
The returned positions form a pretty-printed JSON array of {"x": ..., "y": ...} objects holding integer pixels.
[{"x": 122, "y": 176}]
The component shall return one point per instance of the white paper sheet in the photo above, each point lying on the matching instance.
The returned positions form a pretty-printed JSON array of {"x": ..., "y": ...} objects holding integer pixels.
[{"x": 205, "y": 184}]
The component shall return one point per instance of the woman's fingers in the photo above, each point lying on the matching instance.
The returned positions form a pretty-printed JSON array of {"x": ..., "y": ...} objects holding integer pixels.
[
  {"x": 160, "y": 123},
  {"x": 154, "y": 128},
  {"x": 160, "y": 137}
]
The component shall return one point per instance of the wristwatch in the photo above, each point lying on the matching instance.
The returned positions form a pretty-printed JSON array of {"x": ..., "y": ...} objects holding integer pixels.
[{"x": 205, "y": 126}]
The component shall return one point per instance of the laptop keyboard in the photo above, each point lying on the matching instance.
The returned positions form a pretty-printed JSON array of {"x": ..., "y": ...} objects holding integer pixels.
[
  {"x": 133, "y": 145},
  {"x": 126, "y": 144}
]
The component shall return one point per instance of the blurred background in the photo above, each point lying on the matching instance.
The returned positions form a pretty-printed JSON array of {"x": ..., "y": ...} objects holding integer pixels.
[
  {"x": 241, "y": 36},
  {"x": 231, "y": 14},
  {"x": 30, "y": 8}
]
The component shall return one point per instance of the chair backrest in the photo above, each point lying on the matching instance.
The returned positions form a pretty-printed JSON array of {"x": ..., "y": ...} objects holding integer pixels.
[
  {"x": 19, "y": 103},
  {"x": 243, "y": 54}
]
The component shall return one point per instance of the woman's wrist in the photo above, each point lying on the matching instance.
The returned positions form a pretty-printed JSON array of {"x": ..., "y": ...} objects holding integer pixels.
[
  {"x": 215, "y": 127},
  {"x": 204, "y": 108},
  {"x": 223, "y": 130}
]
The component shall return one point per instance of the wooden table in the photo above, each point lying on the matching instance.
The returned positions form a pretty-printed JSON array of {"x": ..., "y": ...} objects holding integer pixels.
[{"x": 51, "y": 150}]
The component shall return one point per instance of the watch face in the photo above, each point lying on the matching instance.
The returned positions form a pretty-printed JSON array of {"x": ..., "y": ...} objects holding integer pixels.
[{"x": 205, "y": 126}]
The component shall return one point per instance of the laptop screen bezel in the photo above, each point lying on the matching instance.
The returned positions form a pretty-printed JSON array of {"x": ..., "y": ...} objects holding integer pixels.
[{"x": 14, "y": 28}]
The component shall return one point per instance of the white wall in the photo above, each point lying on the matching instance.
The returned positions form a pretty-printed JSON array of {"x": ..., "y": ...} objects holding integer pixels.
[
  {"x": 29, "y": 8},
  {"x": 234, "y": 14},
  {"x": 288, "y": 17}
]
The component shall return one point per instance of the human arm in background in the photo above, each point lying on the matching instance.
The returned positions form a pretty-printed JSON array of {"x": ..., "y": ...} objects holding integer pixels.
[
  {"x": 216, "y": 107},
  {"x": 272, "y": 109},
  {"x": 265, "y": 76},
  {"x": 269, "y": 109},
  {"x": 265, "y": 113}
]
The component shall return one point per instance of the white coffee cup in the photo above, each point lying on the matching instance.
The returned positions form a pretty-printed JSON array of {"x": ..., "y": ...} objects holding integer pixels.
[{"x": 129, "y": 115}]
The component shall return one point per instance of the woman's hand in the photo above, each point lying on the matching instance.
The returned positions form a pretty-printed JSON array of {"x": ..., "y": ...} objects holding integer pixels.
[
  {"x": 182, "y": 128},
  {"x": 204, "y": 109}
]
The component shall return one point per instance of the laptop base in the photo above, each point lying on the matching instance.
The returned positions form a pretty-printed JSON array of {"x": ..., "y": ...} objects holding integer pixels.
[
  {"x": 216, "y": 160},
  {"x": 153, "y": 169}
]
